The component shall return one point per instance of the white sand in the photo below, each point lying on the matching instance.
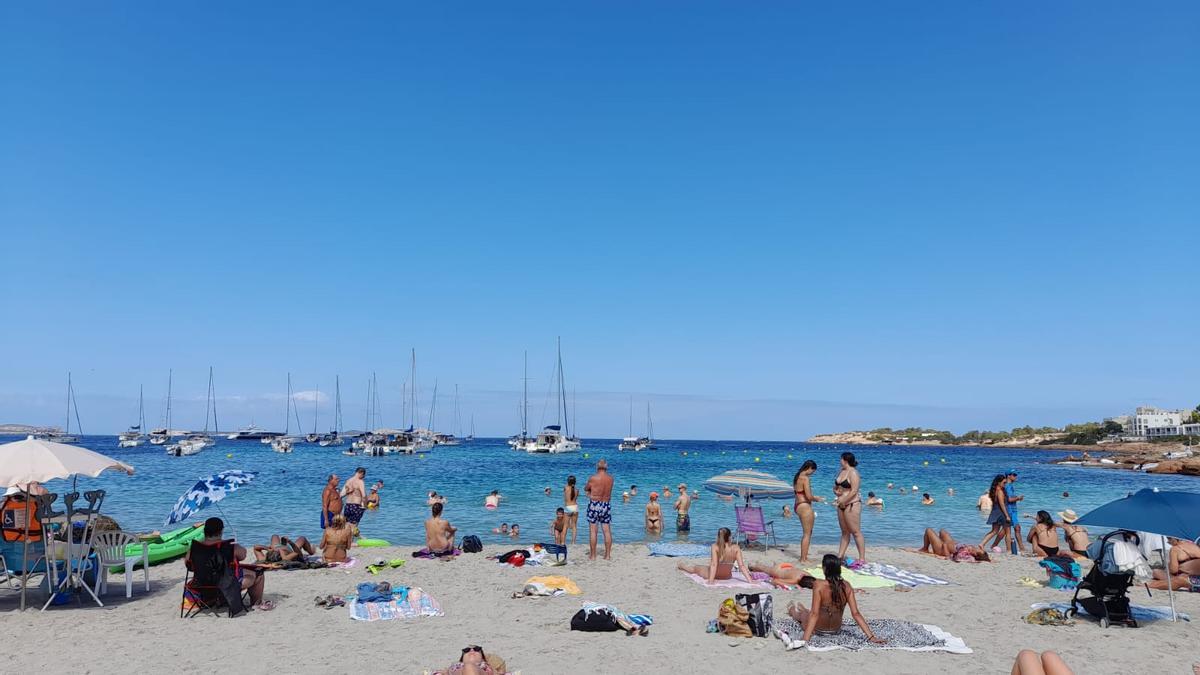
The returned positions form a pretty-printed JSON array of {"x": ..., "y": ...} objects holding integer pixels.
[{"x": 145, "y": 634}]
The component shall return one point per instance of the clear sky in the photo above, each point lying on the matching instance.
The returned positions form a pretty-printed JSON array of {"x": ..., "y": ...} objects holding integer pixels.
[{"x": 770, "y": 221}]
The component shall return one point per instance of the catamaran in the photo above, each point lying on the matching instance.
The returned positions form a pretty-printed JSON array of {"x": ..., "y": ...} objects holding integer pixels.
[
  {"x": 132, "y": 438},
  {"x": 162, "y": 435},
  {"x": 638, "y": 443},
  {"x": 557, "y": 438},
  {"x": 523, "y": 441}
]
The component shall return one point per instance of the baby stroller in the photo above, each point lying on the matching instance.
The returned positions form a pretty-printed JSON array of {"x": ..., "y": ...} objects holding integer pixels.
[{"x": 1109, "y": 601}]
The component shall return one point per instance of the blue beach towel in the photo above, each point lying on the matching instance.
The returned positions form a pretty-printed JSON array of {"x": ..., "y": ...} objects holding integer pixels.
[{"x": 678, "y": 549}]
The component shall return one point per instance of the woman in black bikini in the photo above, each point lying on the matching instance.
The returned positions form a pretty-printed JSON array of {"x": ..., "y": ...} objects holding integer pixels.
[
  {"x": 804, "y": 501},
  {"x": 1044, "y": 536},
  {"x": 849, "y": 504}
]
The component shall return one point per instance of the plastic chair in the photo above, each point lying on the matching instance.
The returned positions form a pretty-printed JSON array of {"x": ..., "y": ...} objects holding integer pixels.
[
  {"x": 559, "y": 551},
  {"x": 109, "y": 547},
  {"x": 750, "y": 524}
]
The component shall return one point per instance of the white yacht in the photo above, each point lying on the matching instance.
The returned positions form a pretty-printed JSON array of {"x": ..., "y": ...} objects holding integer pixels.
[
  {"x": 251, "y": 433},
  {"x": 57, "y": 436},
  {"x": 162, "y": 435},
  {"x": 523, "y": 442},
  {"x": 557, "y": 438},
  {"x": 132, "y": 438},
  {"x": 282, "y": 444},
  {"x": 186, "y": 447}
]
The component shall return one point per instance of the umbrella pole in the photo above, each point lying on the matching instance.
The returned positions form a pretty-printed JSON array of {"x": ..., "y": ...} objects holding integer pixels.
[
  {"x": 226, "y": 519},
  {"x": 1170, "y": 582},
  {"x": 25, "y": 551}
]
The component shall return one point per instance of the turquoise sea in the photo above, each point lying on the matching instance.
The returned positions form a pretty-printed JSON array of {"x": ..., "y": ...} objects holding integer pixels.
[{"x": 285, "y": 498}]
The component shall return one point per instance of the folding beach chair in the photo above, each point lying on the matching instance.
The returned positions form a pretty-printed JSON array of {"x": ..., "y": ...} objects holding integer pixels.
[
  {"x": 212, "y": 580},
  {"x": 750, "y": 524},
  {"x": 559, "y": 551}
]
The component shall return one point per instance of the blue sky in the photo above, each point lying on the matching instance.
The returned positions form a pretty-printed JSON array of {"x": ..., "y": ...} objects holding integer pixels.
[{"x": 769, "y": 221}]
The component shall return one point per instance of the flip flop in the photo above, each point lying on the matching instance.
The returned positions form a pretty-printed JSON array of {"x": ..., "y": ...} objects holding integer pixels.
[{"x": 265, "y": 606}]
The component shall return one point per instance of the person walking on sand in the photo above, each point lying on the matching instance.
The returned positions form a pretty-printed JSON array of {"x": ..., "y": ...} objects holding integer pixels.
[
  {"x": 355, "y": 494},
  {"x": 849, "y": 505},
  {"x": 331, "y": 501},
  {"x": 1015, "y": 543},
  {"x": 571, "y": 507},
  {"x": 599, "y": 511},
  {"x": 683, "y": 522},
  {"x": 998, "y": 517}
]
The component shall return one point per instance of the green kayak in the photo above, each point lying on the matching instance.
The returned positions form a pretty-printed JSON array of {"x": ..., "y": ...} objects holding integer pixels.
[{"x": 165, "y": 547}]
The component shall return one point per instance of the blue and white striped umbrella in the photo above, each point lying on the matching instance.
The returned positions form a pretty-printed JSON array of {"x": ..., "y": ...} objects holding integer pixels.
[
  {"x": 749, "y": 484},
  {"x": 207, "y": 492}
]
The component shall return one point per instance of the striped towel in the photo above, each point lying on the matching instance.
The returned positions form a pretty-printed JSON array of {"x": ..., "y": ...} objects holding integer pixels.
[
  {"x": 417, "y": 604},
  {"x": 635, "y": 619},
  {"x": 900, "y": 576}
]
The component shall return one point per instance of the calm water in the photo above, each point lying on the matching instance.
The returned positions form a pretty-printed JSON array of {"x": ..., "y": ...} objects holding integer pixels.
[{"x": 286, "y": 497}]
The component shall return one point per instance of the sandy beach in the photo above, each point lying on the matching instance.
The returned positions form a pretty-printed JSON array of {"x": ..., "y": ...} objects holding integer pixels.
[{"x": 984, "y": 606}]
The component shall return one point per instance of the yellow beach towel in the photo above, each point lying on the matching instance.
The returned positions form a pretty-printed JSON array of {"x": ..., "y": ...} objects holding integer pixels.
[
  {"x": 556, "y": 582},
  {"x": 857, "y": 580}
]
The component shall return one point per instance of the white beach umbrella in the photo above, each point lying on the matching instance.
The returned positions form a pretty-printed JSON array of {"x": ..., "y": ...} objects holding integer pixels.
[{"x": 37, "y": 461}]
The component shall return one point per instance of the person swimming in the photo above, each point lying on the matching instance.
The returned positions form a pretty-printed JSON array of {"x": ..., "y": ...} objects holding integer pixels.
[
  {"x": 725, "y": 554},
  {"x": 492, "y": 501},
  {"x": 872, "y": 500},
  {"x": 515, "y": 531},
  {"x": 926, "y": 499},
  {"x": 503, "y": 529}
]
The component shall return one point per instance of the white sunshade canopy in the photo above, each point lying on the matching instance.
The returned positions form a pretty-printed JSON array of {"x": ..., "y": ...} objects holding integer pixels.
[{"x": 34, "y": 460}]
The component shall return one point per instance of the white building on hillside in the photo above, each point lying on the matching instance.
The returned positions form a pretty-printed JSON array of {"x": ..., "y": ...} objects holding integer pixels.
[{"x": 1150, "y": 422}]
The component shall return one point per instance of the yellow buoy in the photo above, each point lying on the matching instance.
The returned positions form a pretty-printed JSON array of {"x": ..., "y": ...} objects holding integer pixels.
[
  {"x": 757, "y": 459},
  {"x": 685, "y": 453},
  {"x": 943, "y": 460},
  {"x": 229, "y": 455},
  {"x": 586, "y": 455},
  {"x": 925, "y": 463}
]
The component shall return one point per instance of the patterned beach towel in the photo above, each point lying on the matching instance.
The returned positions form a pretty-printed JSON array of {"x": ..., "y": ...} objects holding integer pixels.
[
  {"x": 900, "y": 635},
  {"x": 1139, "y": 612},
  {"x": 738, "y": 581},
  {"x": 679, "y": 549},
  {"x": 900, "y": 576},
  {"x": 635, "y": 619},
  {"x": 417, "y": 604}
]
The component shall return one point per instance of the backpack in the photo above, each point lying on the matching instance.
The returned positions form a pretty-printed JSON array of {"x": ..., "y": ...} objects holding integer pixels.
[
  {"x": 594, "y": 622},
  {"x": 471, "y": 544},
  {"x": 760, "y": 607}
]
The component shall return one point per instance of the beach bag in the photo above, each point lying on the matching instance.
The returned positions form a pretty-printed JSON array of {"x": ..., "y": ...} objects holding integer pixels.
[
  {"x": 734, "y": 621},
  {"x": 594, "y": 622},
  {"x": 471, "y": 544},
  {"x": 760, "y": 607},
  {"x": 507, "y": 557}
]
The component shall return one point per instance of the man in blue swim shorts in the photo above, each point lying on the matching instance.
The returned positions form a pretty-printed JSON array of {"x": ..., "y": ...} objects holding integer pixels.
[{"x": 599, "y": 511}]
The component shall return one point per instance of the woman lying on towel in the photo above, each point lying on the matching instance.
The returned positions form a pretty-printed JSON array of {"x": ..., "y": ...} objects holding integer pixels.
[
  {"x": 830, "y": 597},
  {"x": 942, "y": 545},
  {"x": 724, "y": 554},
  {"x": 474, "y": 662}
]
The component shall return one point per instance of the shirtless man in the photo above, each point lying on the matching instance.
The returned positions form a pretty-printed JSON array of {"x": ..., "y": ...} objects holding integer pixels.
[
  {"x": 599, "y": 511},
  {"x": 355, "y": 494},
  {"x": 331, "y": 501},
  {"x": 1183, "y": 564},
  {"x": 653, "y": 515},
  {"x": 683, "y": 523},
  {"x": 283, "y": 549},
  {"x": 439, "y": 533}
]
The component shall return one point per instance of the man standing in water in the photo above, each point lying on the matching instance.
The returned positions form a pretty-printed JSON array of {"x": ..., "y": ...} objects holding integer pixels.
[
  {"x": 683, "y": 523},
  {"x": 599, "y": 511},
  {"x": 331, "y": 501},
  {"x": 355, "y": 493}
]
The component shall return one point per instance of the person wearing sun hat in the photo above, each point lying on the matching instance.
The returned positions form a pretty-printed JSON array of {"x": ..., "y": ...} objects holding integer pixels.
[{"x": 1077, "y": 535}]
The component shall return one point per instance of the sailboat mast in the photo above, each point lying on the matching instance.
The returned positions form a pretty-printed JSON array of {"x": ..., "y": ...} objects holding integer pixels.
[
  {"x": 562, "y": 390},
  {"x": 368, "y": 423},
  {"x": 337, "y": 404},
  {"x": 316, "y": 398},
  {"x": 631, "y": 416},
  {"x": 412, "y": 390},
  {"x": 170, "y": 377},
  {"x": 525, "y": 399},
  {"x": 649, "y": 423},
  {"x": 287, "y": 412},
  {"x": 141, "y": 411},
  {"x": 433, "y": 405},
  {"x": 68, "y": 429},
  {"x": 208, "y": 400},
  {"x": 212, "y": 388}
]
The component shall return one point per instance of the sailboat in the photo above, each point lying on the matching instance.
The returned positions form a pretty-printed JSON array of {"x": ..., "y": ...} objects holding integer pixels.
[
  {"x": 523, "y": 441},
  {"x": 647, "y": 443},
  {"x": 284, "y": 443},
  {"x": 314, "y": 436},
  {"x": 184, "y": 448},
  {"x": 334, "y": 437},
  {"x": 440, "y": 438},
  {"x": 557, "y": 438},
  {"x": 471, "y": 438},
  {"x": 133, "y": 436},
  {"x": 66, "y": 436},
  {"x": 210, "y": 409},
  {"x": 630, "y": 442},
  {"x": 161, "y": 435}
]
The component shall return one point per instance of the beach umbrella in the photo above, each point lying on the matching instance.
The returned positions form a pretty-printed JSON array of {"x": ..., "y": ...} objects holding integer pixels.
[
  {"x": 750, "y": 484},
  {"x": 1167, "y": 514},
  {"x": 209, "y": 491},
  {"x": 35, "y": 460}
]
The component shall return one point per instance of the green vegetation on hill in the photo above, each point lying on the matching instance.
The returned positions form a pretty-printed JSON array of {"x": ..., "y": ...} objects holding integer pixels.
[{"x": 1087, "y": 433}]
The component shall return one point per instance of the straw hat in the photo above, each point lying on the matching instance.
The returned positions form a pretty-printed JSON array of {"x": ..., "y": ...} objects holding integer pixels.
[{"x": 1068, "y": 516}]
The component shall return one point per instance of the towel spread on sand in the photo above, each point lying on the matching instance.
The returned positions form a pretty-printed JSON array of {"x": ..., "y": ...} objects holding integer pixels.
[
  {"x": 418, "y": 603},
  {"x": 678, "y": 549},
  {"x": 902, "y": 635},
  {"x": 1139, "y": 612},
  {"x": 635, "y": 619},
  {"x": 738, "y": 581},
  {"x": 900, "y": 576},
  {"x": 857, "y": 580},
  {"x": 427, "y": 554},
  {"x": 553, "y": 583}
]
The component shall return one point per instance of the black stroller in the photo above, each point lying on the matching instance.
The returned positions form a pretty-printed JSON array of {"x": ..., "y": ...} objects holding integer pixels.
[{"x": 1109, "y": 601}]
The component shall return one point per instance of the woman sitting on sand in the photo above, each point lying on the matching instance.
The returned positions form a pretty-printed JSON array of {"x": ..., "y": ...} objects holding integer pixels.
[
  {"x": 942, "y": 545},
  {"x": 1077, "y": 535},
  {"x": 830, "y": 597},
  {"x": 1183, "y": 564},
  {"x": 1043, "y": 537},
  {"x": 724, "y": 554},
  {"x": 336, "y": 541}
]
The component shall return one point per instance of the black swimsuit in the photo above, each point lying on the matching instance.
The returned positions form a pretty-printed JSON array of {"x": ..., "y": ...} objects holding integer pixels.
[{"x": 1051, "y": 551}]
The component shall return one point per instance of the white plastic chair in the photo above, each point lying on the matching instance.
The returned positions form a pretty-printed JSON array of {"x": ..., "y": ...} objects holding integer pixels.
[{"x": 109, "y": 547}]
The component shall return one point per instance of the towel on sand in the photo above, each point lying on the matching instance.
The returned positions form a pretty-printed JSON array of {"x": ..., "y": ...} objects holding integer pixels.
[
  {"x": 1139, "y": 612},
  {"x": 900, "y": 576},
  {"x": 902, "y": 635},
  {"x": 635, "y": 619},
  {"x": 426, "y": 553},
  {"x": 857, "y": 580},
  {"x": 678, "y": 549},
  {"x": 418, "y": 603},
  {"x": 553, "y": 583},
  {"x": 738, "y": 581}
]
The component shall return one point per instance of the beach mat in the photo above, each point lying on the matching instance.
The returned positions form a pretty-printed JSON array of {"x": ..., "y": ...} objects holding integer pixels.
[
  {"x": 856, "y": 580},
  {"x": 679, "y": 549},
  {"x": 900, "y": 636},
  {"x": 1139, "y": 612},
  {"x": 897, "y": 574},
  {"x": 738, "y": 581},
  {"x": 417, "y": 604}
]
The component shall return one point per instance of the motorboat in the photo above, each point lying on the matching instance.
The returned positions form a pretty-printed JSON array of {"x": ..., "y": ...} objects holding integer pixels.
[
  {"x": 186, "y": 447},
  {"x": 553, "y": 441},
  {"x": 282, "y": 444},
  {"x": 252, "y": 433}
]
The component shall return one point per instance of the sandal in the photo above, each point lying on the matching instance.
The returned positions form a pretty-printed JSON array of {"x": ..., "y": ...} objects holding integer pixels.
[{"x": 265, "y": 606}]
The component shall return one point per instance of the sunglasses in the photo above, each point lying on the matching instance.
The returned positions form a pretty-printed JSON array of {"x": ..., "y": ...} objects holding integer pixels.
[{"x": 473, "y": 648}]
